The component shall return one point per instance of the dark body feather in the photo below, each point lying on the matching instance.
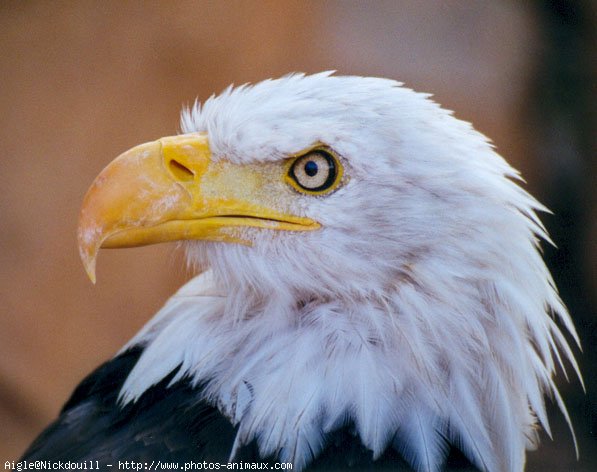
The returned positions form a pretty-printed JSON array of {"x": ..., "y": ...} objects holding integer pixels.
[{"x": 171, "y": 423}]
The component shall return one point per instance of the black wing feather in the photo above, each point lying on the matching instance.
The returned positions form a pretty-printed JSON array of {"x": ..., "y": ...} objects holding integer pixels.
[{"x": 166, "y": 423}]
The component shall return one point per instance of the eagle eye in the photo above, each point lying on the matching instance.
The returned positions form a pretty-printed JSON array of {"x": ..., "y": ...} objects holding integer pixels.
[{"x": 316, "y": 172}]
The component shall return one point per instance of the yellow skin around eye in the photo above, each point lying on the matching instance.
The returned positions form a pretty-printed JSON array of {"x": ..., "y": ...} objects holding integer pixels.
[{"x": 335, "y": 184}]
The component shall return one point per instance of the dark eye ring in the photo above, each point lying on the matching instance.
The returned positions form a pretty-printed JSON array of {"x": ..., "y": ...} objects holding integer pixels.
[{"x": 316, "y": 172}]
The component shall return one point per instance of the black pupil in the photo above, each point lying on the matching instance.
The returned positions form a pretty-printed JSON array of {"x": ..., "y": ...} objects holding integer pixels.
[{"x": 311, "y": 168}]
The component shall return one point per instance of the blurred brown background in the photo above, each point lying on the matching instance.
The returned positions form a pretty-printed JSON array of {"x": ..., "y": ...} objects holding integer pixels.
[{"x": 82, "y": 81}]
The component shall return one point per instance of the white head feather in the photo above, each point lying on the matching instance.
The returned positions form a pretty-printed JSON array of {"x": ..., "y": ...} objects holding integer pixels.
[{"x": 420, "y": 311}]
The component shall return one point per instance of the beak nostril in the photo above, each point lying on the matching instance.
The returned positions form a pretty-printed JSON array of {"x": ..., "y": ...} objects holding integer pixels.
[{"x": 180, "y": 171}]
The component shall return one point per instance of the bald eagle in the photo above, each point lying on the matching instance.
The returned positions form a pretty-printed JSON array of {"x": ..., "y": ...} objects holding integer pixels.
[{"x": 370, "y": 290}]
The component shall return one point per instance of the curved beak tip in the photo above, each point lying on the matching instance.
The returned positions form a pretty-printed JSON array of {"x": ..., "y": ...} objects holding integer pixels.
[
  {"x": 91, "y": 272},
  {"x": 88, "y": 249},
  {"x": 89, "y": 263}
]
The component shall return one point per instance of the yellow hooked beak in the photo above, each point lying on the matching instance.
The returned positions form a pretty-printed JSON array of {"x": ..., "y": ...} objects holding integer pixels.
[{"x": 171, "y": 189}]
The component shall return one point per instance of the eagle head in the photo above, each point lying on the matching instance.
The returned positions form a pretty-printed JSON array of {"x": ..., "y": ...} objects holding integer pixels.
[{"x": 367, "y": 258}]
